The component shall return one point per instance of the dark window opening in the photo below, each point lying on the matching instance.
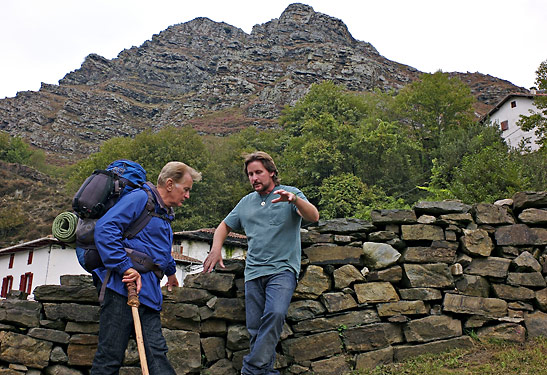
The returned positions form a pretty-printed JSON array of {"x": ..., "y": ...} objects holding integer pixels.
[
  {"x": 513, "y": 104},
  {"x": 30, "y": 254},
  {"x": 504, "y": 125},
  {"x": 11, "y": 258}
]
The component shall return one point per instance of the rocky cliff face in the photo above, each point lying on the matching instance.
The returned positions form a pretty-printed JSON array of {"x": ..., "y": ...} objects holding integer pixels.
[{"x": 211, "y": 76}]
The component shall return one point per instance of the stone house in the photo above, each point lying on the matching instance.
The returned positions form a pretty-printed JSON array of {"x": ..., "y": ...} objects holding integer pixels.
[{"x": 506, "y": 114}]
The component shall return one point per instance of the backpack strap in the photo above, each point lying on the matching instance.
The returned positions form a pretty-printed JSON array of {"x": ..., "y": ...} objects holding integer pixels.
[{"x": 147, "y": 214}]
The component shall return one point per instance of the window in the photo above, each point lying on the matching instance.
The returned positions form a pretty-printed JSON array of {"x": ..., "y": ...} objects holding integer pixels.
[
  {"x": 26, "y": 283},
  {"x": 11, "y": 258},
  {"x": 504, "y": 125},
  {"x": 30, "y": 254},
  {"x": 29, "y": 276},
  {"x": 6, "y": 286},
  {"x": 513, "y": 104}
]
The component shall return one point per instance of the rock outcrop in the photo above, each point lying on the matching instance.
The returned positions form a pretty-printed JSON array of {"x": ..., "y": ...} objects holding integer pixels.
[{"x": 211, "y": 76}]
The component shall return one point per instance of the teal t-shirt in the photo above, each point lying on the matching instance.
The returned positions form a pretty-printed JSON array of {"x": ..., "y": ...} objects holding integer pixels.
[{"x": 272, "y": 230}]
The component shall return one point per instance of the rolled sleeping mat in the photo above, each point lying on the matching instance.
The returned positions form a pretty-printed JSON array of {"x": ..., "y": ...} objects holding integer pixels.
[{"x": 64, "y": 227}]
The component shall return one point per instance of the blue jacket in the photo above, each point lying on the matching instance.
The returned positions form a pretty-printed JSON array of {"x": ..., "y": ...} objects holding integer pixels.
[{"x": 155, "y": 240}]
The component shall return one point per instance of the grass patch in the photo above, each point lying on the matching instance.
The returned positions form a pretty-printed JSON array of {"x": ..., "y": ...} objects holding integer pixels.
[{"x": 493, "y": 357}]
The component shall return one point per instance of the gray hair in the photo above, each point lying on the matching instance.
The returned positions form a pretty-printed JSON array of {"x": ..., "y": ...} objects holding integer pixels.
[{"x": 176, "y": 170}]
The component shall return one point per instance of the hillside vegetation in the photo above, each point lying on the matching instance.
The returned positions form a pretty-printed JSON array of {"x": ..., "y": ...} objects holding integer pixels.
[{"x": 348, "y": 152}]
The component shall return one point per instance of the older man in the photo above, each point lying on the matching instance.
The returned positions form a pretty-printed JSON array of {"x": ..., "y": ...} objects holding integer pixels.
[
  {"x": 155, "y": 240},
  {"x": 271, "y": 216}
]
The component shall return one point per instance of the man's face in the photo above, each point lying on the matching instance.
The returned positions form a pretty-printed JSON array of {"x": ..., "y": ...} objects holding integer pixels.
[
  {"x": 259, "y": 177},
  {"x": 180, "y": 191}
]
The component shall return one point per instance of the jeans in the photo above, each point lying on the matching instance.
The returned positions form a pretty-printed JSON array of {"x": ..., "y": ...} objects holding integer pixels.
[
  {"x": 267, "y": 300},
  {"x": 115, "y": 327}
]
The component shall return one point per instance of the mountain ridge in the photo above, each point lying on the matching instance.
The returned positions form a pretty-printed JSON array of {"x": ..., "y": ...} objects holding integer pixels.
[{"x": 211, "y": 76}]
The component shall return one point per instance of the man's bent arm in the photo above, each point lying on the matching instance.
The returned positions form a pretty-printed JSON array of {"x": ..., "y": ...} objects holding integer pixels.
[
  {"x": 215, "y": 255},
  {"x": 307, "y": 210}
]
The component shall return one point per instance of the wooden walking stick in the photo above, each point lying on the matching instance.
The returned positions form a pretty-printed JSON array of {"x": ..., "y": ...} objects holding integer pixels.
[{"x": 133, "y": 301}]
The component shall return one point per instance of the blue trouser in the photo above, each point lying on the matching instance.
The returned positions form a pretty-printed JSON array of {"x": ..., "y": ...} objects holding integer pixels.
[
  {"x": 115, "y": 327},
  {"x": 267, "y": 300}
]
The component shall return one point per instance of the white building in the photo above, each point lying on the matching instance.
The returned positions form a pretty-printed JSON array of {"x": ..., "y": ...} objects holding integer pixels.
[
  {"x": 506, "y": 114},
  {"x": 43, "y": 261},
  {"x": 196, "y": 245}
]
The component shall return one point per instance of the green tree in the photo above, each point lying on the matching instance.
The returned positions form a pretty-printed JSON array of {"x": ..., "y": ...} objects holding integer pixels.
[
  {"x": 488, "y": 175},
  {"x": 434, "y": 104},
  {"x": 338, "y": 132},
  {"x": 537, "y": 120},
  {"x": 14, "y": 149}
]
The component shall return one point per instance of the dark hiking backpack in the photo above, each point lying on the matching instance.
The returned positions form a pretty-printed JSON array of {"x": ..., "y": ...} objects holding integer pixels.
[{"x": 97, "y": 195}]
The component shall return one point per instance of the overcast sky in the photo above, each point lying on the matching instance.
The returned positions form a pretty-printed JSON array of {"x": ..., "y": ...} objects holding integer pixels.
[{"x": 42, "y": 40}]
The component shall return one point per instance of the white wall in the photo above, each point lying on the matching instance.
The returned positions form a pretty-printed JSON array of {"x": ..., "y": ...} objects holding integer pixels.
[
  {"x": 514, "y": 133},
  {"x": 49, "y": 263},
  {"x": 199, "y": 250}
]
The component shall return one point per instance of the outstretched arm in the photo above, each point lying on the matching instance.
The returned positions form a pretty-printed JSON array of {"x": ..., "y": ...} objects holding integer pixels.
[
  {"x": 215, "y": 255},
  {"x": 305, "y": 208}
]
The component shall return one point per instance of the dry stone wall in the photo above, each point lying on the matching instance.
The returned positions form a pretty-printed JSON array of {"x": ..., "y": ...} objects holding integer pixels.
[{"x": 408, "y": 282}]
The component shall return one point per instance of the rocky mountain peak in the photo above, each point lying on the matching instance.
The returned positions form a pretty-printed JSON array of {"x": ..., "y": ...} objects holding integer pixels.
[{"x": 211, "y": 76}]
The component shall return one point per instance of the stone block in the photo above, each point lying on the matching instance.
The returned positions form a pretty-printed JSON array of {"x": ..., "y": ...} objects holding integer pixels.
[
  {"x": 513, "y": 293},
  {"x": 24, "y": 350},
  {"x": 369, "y": 360},
  {"x": 304, "y": 309},
  {"x": 430, "y": 254},
  {"x": 529, "y": 279},
  {"x": 534, "y": 216},
  {"x": 346, "y": 276},
  {"x": 520, "y": 235},
  {"x": 338, "y": 301},
  {"x": 434, "y": 275},
  {"x": 393, "y": 216},
  {"x": 310, "y": 347},
  {"x": 365, "y": 338},
  {"x": 432, "y": 328},
  {"x": 477, "y": 242},
  {"x": 231, "y": 309},
  {"x": 329, "y": 323},
  {"x": 337, "y": 365},
  {"x": 237, "y": 338},
  {"x": 344, "y": 225},
  {"x": 314, "y": 282},
  {"x": 375, "y": 292},
  {"x": 333, "y": 254},
  {"x": 403, "y": 352},
  {"x": 21, "y": 313},
  {"x": 489, "y": 267},
  {"x": 422, "y": 232},
  {"x": 488, "y": 307},
  {"x": 421, "y": 294},
  {"x": 441, "y": 207},
  {"x": 473, "y": 285},
  {"x": 504, "y": 331},
  {"x": 186, "y": 295},
  {"x": 72, "y": 312},
  {"x": 526, "y": 199},
  {"x": 401, "y": 308},
  {"x": 492, "y": 214},
  {"x": 379, "y": 255},
  {"x": 211, "y": 281},
  {"x": 392, "y": 274},
  {"x": 184, "y": 351}
]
